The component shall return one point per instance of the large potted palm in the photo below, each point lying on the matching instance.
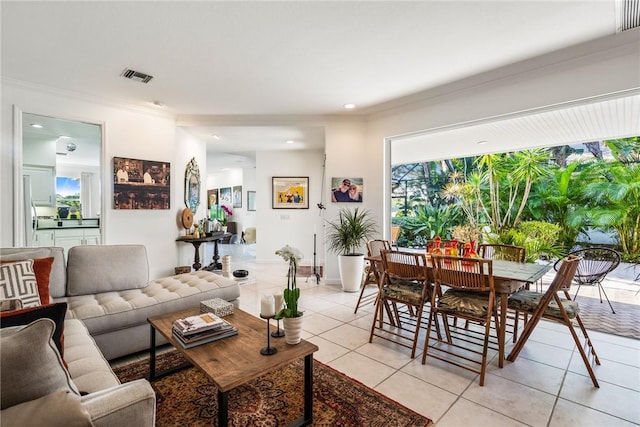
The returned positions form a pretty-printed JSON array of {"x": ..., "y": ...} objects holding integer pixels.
[{"x": 346, "y": 235}]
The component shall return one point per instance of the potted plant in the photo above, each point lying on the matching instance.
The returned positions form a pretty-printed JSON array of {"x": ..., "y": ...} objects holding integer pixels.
[
  {"x": 292, "y": 317},
  {"x": 346, "y": 235},
  {"x": 226, "y": 213}
]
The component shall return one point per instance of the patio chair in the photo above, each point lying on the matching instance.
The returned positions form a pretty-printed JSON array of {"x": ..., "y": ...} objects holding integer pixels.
[
  {"x": 549, "y": 306},
  {"x": 471, "y": 296},
  {"x": 504, "y": 252},
  {"x": 395, "y": 233},
  {"x": 371, "y": 276},
  {"x": 595, "y": 264},
  {"x": 404, "y": 281}
]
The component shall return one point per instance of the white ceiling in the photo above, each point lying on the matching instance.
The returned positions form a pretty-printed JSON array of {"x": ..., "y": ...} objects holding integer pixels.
[
  {"x": 240, "y": 58},
  {"x": 85, "y": 136}
]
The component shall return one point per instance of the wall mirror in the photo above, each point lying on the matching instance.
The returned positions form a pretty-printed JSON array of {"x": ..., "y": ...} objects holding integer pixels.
[
  {"x": 192, "y": 186},
  {"x": 61, "y": 171}
]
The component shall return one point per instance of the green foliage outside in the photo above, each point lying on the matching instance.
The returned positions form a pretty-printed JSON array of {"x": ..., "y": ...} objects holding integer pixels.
[{"x": 542, "y": 199}]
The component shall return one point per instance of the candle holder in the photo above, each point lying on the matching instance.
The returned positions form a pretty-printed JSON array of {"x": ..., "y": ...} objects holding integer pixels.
[
  {"x": 268, "y": 350},
  {"x": 278, "y": 333}
]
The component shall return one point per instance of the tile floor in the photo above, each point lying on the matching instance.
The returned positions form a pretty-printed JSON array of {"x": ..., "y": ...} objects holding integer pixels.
[{"x": 546, "y": 386}]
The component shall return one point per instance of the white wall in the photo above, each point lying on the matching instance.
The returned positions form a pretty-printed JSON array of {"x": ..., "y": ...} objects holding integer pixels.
[
  {"x": 186, "y": 148},
  {"x": 295, "y": 227},
  {"x": 128, "y": 133}
]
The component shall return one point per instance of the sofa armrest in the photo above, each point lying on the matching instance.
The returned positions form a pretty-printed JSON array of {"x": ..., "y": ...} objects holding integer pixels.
[{"x": 131, "y": 404}]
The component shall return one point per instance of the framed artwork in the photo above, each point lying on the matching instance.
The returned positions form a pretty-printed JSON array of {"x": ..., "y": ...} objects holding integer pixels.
[
  {"x": 224, "y": 197},
  {"x": 237, "y": 196},
  {"x": 346, "y": 190},
  {"x": 141, "y": 184},
  {"x": 212, "y": 198},
  {"x": 192, "y": 185},
  {"x": 290, "y": 192},
  {"x": 251, "y": 201}
]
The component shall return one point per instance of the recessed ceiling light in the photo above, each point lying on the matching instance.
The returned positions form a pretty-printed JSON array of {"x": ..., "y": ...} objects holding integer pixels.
[
  {"x": 214, "y": 136},
  {"x": 158, "y": 103},
  {"x": 349, "y": 106},
  {"x": 290, "y": 141},
  {"x": 481, "y": 142},
  {"x": 35, "y": 125},
  {"x": 64, "y": 137}
]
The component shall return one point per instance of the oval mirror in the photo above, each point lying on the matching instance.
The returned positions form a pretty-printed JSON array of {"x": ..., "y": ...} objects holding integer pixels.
[{"x": 192, "y": 186}]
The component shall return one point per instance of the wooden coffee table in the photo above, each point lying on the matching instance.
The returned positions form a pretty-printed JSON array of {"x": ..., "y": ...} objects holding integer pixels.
[{"x": 237, "y": 360}]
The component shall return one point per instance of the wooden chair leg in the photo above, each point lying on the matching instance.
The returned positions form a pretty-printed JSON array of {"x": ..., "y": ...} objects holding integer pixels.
[
  {"x": 363, "y": 287},
  {"x": 526, "y": 333},
  {"x": 585, "y": 359},
  {"x": 417, "y": 333}
]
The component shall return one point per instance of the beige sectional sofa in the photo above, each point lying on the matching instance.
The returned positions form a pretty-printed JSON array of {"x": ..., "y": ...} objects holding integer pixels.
[
  {"x": 40, "y": 395},
  {"x": 109, "y": 298},
  {"x": 108, "y": 288}
]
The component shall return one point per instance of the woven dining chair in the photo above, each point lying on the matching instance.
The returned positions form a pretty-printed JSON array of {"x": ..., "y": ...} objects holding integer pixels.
[
  {"x": 404, "y": 281},
  {"x": 550, "y": 306},
  {"x": 503, "y": 252},
  {"x": 595, "y": 264},
  {"x": 371, "y": 275},
  {"x": 471, "y": 296}
]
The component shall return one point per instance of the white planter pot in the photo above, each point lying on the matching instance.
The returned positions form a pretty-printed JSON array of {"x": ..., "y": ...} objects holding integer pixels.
[
  {"x": 292, "y": 329},
  {"x": 351, "y": 271}
]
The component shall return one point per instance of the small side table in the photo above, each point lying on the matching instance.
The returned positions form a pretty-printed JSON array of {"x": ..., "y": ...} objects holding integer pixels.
[{"x": 215, "y": 236}]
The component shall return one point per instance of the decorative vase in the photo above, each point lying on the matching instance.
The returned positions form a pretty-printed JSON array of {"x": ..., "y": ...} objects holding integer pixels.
[
  {"x": 224, "y": 228},
  {"x": 292, "y": 329}
]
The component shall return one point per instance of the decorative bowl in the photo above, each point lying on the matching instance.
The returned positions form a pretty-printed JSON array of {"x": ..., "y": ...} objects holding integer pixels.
[{"x": 240, "y": 273}]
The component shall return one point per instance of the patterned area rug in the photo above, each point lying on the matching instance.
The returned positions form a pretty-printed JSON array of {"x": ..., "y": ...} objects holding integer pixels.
[
  {"x": 597, "y": 316},
  {"x": 187, "y": 398}
]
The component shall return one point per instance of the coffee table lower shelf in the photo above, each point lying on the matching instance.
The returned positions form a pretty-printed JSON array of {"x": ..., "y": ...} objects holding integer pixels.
[{"x": 234, "y": 361}]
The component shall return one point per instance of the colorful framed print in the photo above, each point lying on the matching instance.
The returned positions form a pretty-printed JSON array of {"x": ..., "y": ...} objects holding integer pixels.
[
  {"x": 224, "y": 197},
  {"x": 290, "y": 192},
  {"x": 237, "y": 196},
  {"x": 347, "y": 190},
  {"x": 251, "y": 201},
  {"x": 212, "y": 198}
]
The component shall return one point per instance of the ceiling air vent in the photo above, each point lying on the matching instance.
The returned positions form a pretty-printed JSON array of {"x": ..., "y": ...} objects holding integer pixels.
[
  {"x": 136, "y": 76},
  {"x": 628, "y": 14}
]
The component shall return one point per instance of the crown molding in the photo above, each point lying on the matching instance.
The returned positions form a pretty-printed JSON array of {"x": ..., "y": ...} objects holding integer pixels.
[{"x": 85, "y": 97}]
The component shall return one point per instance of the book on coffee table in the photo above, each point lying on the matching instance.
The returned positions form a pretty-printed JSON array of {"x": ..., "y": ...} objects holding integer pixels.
[
  {"x": 204, "y": 337},
  {"x": 199, "y": 323}
]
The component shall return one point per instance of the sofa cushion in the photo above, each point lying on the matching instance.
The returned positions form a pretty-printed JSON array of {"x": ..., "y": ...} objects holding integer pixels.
[
  {"x": 111, "y": 311},
  {"x": 58, "y": 276},
  {"x": 93, "y": 269},
  {"x": 89, "y": 369},
  {"x": 31, "y": 364},
  {"x": 18, "y": 280},
  {"x": 55, "y": 312},
  {"x": 59, "y": 409},
  {"x": 42, "y": 270}
]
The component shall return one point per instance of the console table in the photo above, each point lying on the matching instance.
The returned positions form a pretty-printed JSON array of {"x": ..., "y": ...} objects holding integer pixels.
[{"x": 215, "y": 236}]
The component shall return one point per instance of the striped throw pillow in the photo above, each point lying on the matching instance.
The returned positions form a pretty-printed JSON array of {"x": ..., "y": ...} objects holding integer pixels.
[{"x": 18, "y": 280}]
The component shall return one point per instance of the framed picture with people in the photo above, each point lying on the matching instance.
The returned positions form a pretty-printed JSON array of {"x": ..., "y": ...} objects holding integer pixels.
[
  {"x": 290, "y": 192},
  {"x": 141, "y": 184},
  {"x": 347, "y": 190}
]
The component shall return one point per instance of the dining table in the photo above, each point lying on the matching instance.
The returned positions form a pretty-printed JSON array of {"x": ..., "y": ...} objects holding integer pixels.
[{"x": 508, "y": 276}]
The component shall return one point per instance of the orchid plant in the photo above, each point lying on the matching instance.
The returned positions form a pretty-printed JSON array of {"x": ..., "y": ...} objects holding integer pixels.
[
  {"x": 292, "y": 293},
  {"x": 226, "y": 213}
]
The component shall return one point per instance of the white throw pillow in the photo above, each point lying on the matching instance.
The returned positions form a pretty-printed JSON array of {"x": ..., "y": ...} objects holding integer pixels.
[
  {"x": 30, "y": 365},
  {"x": 18, "y": 280}
]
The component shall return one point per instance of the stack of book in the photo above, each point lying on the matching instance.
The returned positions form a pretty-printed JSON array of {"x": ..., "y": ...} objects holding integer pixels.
[{"x": 201, "y": 329}]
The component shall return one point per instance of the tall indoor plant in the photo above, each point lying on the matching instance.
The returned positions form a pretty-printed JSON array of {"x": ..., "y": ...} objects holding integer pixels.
[
  {"x": 292, "y": 317},
  {"x": 345, "y": 236}
]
